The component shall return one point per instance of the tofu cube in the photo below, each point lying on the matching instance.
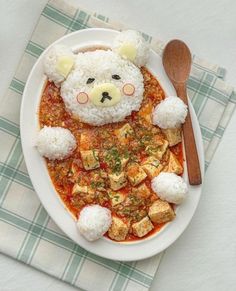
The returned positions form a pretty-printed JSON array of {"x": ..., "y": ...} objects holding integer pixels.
[
  {"x": 116, "y": 198},
  {"x": 124, "y": 162},
  {"x": 152, "y": 161},
  {"x": 142, "y": 227},
  {"x": 157, "y": 151},
  {"x": 90, "y": 159},
  {"x": 160, "y": 212},
  {"x": 173, "y": 135},
  {"x": 174, "y": 165},
  {"x": 82, "y": 189},
  {"x": 152, "y": 171},
  {"x": 79, "y": 189},
  {"x": 85, "y": 142},
  {"x": 142, "y": 191},
  {"x": 118, "y": 230},
  {"x": 152, "y": 167},
  {"x": 162, "y": 149},
  {"x": 158, "y": 140},
  {"x": 117, "y": 180},
  {"x": 124, "y": 134},
  {"x": 135, "y": 174}
]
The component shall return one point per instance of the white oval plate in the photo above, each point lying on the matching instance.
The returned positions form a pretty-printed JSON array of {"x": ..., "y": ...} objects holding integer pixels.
[{"x": 38, "y": 173}]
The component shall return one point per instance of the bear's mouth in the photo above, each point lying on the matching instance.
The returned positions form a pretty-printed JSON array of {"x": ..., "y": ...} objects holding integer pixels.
[{"x": 105, "y": 95}]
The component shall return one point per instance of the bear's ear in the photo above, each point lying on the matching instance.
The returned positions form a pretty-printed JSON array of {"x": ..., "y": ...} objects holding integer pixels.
[
  {"x": 130, "y": 45},
  {"x": 58, "y": 63}
]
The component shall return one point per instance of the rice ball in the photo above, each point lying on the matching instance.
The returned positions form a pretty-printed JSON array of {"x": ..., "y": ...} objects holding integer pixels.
[
  {"x": 132, "y": 43},
  {"x": 170, "y": 187},
  {"x": 94, "y": 221},
  {"x": 50, "y": 62},
  {"x": 170, "y": 113},
  {"x": 55, "y": 143}
]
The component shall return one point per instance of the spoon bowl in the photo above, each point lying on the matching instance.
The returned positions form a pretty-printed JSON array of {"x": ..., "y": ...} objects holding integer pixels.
[{"x": 177, "y": 61}]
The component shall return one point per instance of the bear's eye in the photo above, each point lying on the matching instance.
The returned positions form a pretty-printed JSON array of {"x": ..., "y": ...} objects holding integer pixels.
[
  {"x": 116, "y": 77},
  {"x": 90, "y": 80}
]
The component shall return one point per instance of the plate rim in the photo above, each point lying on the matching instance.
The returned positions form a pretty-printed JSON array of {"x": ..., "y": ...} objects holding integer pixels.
[{"x": 83, "y": 243}]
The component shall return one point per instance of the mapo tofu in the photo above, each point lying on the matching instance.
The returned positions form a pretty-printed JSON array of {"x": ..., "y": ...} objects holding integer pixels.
[{"x": 114, "y": 164}]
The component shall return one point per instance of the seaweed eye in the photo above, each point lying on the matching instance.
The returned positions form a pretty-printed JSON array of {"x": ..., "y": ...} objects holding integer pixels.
[
  {"x": 116, "y": 77},
  {"x": 90, "y": 80}
]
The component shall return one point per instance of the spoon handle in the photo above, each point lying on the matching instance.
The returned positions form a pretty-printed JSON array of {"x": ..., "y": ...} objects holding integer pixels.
[{"x": 193, "y": 165}]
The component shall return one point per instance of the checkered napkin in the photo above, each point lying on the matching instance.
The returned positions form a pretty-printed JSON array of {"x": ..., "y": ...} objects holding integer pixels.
[{"x": 26, "y": 231}]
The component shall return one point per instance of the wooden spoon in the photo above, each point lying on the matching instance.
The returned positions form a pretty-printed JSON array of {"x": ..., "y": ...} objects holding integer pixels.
[{"x": 177, "y": 63}]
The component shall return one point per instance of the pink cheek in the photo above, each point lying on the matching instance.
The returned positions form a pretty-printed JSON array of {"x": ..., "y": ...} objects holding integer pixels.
[
  {"x": 128, "y": 89},
  {"x": 82, "y": 98}
]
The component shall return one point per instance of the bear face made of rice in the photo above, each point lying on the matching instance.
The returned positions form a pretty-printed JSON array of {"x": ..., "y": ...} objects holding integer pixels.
[{"x": 102, "y": 86}]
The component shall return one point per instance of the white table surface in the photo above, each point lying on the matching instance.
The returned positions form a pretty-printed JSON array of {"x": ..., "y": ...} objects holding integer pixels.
[{"x": 204, "y": 257}]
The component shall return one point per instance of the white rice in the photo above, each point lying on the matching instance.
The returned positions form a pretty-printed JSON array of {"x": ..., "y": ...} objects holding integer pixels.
[
  {"x": 101, "y": 65},
  {"x": 94, "y": 221},
  {"x": 135, "y": 38},
  {"x": 170, "y": 187},
  {"x": 55, "y": 143},
  {"x": 50, "y": 61},
  {"x": 170, "y": 113}
]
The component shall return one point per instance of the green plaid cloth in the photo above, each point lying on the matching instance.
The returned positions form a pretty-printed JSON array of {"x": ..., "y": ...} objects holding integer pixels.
[{"x": 27, "y": 232}]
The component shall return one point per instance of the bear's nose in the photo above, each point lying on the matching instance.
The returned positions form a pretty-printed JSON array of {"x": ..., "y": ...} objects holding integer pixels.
[{"x": 105, "y": 95}]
